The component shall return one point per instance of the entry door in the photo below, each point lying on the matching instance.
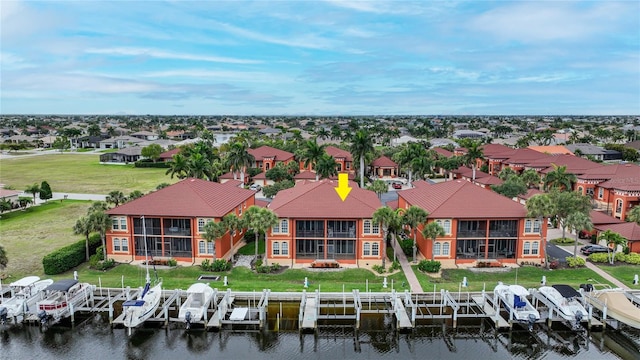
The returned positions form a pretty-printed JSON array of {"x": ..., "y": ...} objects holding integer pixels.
[
  {"x": 320, "y": 250},
  {"x": 330, "y": 251}
]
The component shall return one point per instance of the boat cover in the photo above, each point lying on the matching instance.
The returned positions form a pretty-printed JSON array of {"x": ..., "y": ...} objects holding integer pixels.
[
  {"x": 133, "y": 303},
  {"x": 62, "y": 285},
  {"x": 26, "y": 281},
  {"x": 566, "y": 291}
]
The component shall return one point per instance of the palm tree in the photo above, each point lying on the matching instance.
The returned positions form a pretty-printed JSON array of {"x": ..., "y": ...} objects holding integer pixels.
[
  {"x": 410, "y": 152},
  {"x": 505, "y": 173},
  {"x": 578, "y": 221},
  {"x": 613, "y": 240},
  {"x": 5, "y": 205},
  {"x": 135, "y": 194},
  {"x": 414, "y": 216},
  {"x": 379, "y": 187},
  {"x": 323, "y": 133},
  {"x": 116, "y": 198},
  {"x": 326, "y": 166},
  {"x": 422, "y": 166},
  {"x": 541, "y": 206},
  {"x": 3, "y": 258},
  {"x": 531, "y": 178},
  {"x": 474, "y": 152},
  {"x": 269, "y": 220},
  {"x": 251, "y": 219},
  {"x": 385, "y": 216},
  {"x": 559, "y": 178},
  {"x": 83, "y": 227},
  {"x": 178, "y": 166},
  {"x": 212, "y": 232},
  {"x": 33, "y": 190},
  {"x": 311, "y": 154},
  {"x": 233, "y": 224},
  {"x": 198, "y": 166},
  {"x": 361, "y": 145},
  {"x": 239, "y": 158},
  {"x": 260, "y": 220},
  {"x": 634, "y": 214},
  {"x": 431, "y": 231},
  {"x": 101, "y": 222}
]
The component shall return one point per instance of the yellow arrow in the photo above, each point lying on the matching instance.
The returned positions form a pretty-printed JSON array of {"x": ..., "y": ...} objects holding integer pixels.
[{"x": 343, "y": 188}]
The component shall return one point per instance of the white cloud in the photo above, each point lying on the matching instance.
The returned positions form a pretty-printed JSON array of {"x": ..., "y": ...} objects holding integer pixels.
[
  {"x": 309, "y": 41},
  {"x": 248, "y": 76},
  {"x": 135, "y": 51}
]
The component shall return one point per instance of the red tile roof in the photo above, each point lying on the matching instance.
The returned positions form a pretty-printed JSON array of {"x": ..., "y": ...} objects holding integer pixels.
[
  {"x": 628, "y": 184},
  {"x": 496, "y": 151},
  {"x": 311, "y": 175},
  {"x": 488, "y": 180},
  {"x": 462, "y": 199},
  {"x": 600, "y": 218},
  {"x": 7, "y": 193},
  {"x": 607, "y": 172},
  {"x": 393, "y": 204},
  {"x": 530, "y": 193},
  {"x": 338, "y": 153},
  {"x": 552, "y": 149},
  {"x": 443, "y": 152},
  {"x": 189, "y": 197},
  {"x": 383, "y": 161},
  {"x": 261, "y": 176},
  {"x": 575, "y": 164},
  {"x": 169, "y": 154},
  {"x": 468, "y": 172},
  {"x": 319, "y": 200},
  {"x": 270, "y": 152},
  {"x": 525, "y": 156},
  {"x": 628, "y": 230},
  {"x": 261, "y": 203}
]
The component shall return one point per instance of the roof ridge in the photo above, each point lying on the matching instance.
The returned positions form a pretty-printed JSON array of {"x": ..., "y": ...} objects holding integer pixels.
[{"x": 312, "y": 186}]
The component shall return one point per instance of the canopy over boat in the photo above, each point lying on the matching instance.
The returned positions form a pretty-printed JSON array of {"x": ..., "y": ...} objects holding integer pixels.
[
  {"x": 198, "y": 288},
  {"x": 566, "y": 291},
  {"x": 62, "y": 285},
  {"x": 25, "y": 281}
]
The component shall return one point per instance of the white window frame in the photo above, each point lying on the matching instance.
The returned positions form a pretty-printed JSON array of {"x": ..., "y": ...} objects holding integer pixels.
[
  {"x": 116, "y": 245},
  {"x": 537, "y": 226},
  {"x": 600, "y": 193},
  {"x": 210, "y": 247},
  {"x": 446, "y": 248},
  {"x": 526, "y": 250},
  {"x": 240, "y": 209},
  {"x": 366, "y": 249},
  {"x": 284, "y": 226},
  {"x": 528, "y": 225},
  {"x": 205, "y": 221},
  {"x": 276, "y": 229},
  {"x": 284, "y": 248},
  {"x": 375, "y": 249},
  {"x": 375, "y": 228},
  {"x": 535, "y": 246},
  {"x": 446, "y": 225},
  {"x": 124, "y": 244},
  {"x": 202, "y": 247},
  {"x": 366, "y": 227},
  {"x": 115, "y": 224},
  {"x": 275, "y": 249},
  {"x": 123, "y": 223},
  {"x": 437, "y": 246}
]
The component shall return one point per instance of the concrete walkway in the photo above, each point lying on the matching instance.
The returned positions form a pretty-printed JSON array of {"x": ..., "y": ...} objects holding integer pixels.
[
  {"x": 557, "y": 233},
  {"x": 414, "y": 284}
]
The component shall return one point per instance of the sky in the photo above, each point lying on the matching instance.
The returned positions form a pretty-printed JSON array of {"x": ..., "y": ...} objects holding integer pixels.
[{"x": 320, "y": 57}]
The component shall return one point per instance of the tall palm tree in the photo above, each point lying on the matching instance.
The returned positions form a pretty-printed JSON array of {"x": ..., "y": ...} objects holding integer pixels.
[
  {"x": 238, "y": 158},
  {"x": 101, "y": 222},
  {"x": 361, "y": 145},
  {"x": 83, "y": 227},
  {"x": 613, "y": 240},
  {"x": 385, "y": 216},
  {"x": 4, "y": 260},
  {"x": 116, "y": 197},
  {"x": 474, "y": 153},
  {"x": 233, "y": 224},
  {"x": 379, "y": 187},
  {"x": 178, "y": 166},
  {"x": 326, "y": 166},
  {"x": 559, "y": 178},
  {"x": 541, "y": 206},
  {"x": 199, "y": 166},
  {"x": 407, "y": 155},
  {"x": 269, "y": 220},
  {"x": 412, "y": 217},
  {"x": 323, "y": 133},
  {"x": 252, "y": 220},
  {"x": 578, "y": 221},
  {"x": 5, "y": 205},
  {"x": 634, "y": 215},
  {"x": 213, "y": 230},
  {"x": 531, "y": 178},
  {"x": 311, "y": 153},
  {"x": 33, "y": 190},
  {"x": 431, "y": 231}
]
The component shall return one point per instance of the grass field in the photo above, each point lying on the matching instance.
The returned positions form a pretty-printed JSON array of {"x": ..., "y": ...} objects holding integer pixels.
[
  {"x": 78, "y": 173},
  {"x": 29, "y": 235},
  {"x": 624, "y": 273}
]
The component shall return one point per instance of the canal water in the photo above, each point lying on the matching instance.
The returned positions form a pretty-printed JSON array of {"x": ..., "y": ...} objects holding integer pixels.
[{"x": 93, "y": 338}]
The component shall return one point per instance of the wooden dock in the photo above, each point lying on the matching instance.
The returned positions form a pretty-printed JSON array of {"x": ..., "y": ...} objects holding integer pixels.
[
  {"x": 490, "y": 311},
  {"x": 310, "y": 315},
  {"x": 402, "y": 319}
]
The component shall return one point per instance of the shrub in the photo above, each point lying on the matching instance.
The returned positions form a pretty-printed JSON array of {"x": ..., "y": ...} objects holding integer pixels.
[
  {"x": 217, "y": 265},
  {"x": 172, "y": 262},
  {"x": 553, "y": 264},
  {"x": 275, "y": 267},
  {"x": 407, "y": 246},
  {"x": 564, "y": 241},
  {"x": 575, "y": 262},
  {"x": 599, "y": 258},
  {"x": 395, "y": 266},
  {"x": 147, "y": 164},
  {"x": 632, "y": 258},
  {"x": 379, "y": 269},
  {"x": 258, "y": 263},
  {"x": 249, "y": 236},
  {"x": 263, "y": 269},
  {"x": 101, "y": 264},
  {"x": 68, "y": 257},
  {"x": 620, "y": 257},
  {"x": 429, "y": 266}
]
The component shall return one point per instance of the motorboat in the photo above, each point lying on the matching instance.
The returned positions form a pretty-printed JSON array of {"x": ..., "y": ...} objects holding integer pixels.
[
  {"x": 25, "y": 293},
  {"x": 514, "y": 299},
  {"x": 137, "y": 311},
  {"x": 195, "y": 307},
  {"x": 617, "y": 304},
  {"x": 61, "y": 297},
  {"x": 567, "y": 304}
]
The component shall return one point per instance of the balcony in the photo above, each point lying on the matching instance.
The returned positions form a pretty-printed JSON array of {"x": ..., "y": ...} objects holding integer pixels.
[
  {"x": 351, "y": 234},
  {"x": 503, "y": 233},
  {"x": 472, "y": 233},
  {"x": 176, "y": 231},
  {"x": 310, "y": 233}
]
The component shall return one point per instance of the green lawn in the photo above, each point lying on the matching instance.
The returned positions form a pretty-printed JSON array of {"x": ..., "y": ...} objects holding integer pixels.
[
  {"x": 243, "y": 279},
  {"x": 526, "y": 276},
  {"x": 29, "y": 235},
  {"x": 250, "y": 248},
  {"x": 624, "y": 273},
  {"x": 78, "y": 173}
]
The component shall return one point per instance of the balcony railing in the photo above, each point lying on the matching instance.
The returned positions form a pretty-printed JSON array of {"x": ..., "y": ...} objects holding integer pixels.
[
  {"x": 176, "y": 231},
  {"x": 150, "y": 230},
  {"x": 341, "y": 234},
  {"x": 310, "y": 233},
  {"x": 472, "y": 233},
  {"x": 503, "y": 233}
]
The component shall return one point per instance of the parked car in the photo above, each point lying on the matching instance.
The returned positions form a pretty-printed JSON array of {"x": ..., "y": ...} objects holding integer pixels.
[
  {"x": 255, "y": 187},
  {"x": 591, "y": 249},
  {"x": 396, "y": 185}
]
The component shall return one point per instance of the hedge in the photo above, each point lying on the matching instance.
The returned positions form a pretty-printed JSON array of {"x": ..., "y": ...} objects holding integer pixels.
[
  {"x": 69, "y": 256},
  {"x": 144, "y": 164}
]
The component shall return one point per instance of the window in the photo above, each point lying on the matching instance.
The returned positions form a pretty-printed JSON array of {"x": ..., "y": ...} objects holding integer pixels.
[
  {"x": 210, "y": 245},
  {"x": 527, "y": 248},
  {"x": 240, "y": 209},
  {"x": 124, "y": 244},
  {"x": 436, "y": 248},
  {"x": 600, "y": 193},
  {"x": 376, "y": 228},
  {"x": 375, "y": 249},
  {"x": 116, "y": 244},
  {"x": 590, "y": 191},
  {"x": 446, "y": 225},
  {"x": 367, "y": 227},
  {"x": 276, "y": 248},
  {"x": 619, "y": 203},
  {"x": 115, "y": 224},
  {"x": 445, "y": 249},
  {"x": 367, "y": 249},
  {"x": 285, "y": 248},
  {"x": 532, "y": 226},
  {"x": 580, "y": 190},
  {"x": 202, "y": 223},
  {"x": 123, "y": 223},
  {"x": 202, "y": 247},
  {"x": 284, "y": 226},
  {"x": 536, "y": 226},
  {"x": 534, "y": 248},
  {"x": 348, "y": 165}
]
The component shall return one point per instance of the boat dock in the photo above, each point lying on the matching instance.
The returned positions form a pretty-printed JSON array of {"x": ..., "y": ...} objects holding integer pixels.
[{"x": 241, "y": 310}]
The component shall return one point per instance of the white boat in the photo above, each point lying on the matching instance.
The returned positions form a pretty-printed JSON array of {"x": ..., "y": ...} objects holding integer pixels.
[
  {"x": 25, "y": 293},
  {"x": 618, "y": 305},
  {"x": 566, "y": 301},
  {"x": 137, "y": 311},
  {"x": 194, "y": 308},
  {"x": 514, "y": 299},
  {"x": 61, "y": 298}
]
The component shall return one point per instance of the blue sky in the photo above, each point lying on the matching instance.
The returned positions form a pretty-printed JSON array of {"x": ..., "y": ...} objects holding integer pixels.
[{"x": 320, "y": 57}]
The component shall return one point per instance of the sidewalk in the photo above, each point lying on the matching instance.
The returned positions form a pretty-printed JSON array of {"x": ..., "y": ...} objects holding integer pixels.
[
  {"x": 414, "y": 284},
  {"x": 557, "y": 233}
]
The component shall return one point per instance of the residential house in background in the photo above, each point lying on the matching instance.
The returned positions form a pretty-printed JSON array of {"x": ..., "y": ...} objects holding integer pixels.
[
  {"x": 120, "y": 142},
  {"x": 267, "y": 157},
  {"x": 174, "y": 220},
  {"x": 614, "y": 189},
  {"x": 316, "y": 225},
  {"x": 383, "y": 167}
]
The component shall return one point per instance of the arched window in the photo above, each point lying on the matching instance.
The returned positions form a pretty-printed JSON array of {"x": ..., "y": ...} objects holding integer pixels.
[
  {"x": 285, "y": 248},
  {"x": 527, "y": 248},
  {"x": 445, "y": 248},
  {"x": 116, "y": 244},
  {"x": 276, "y": 248},
  {"x": 534, "y": 248},
  {"x": 367, "y": 249},
  {"x": 375, "y": 249},
  {"x": 436, "y": 248}
]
